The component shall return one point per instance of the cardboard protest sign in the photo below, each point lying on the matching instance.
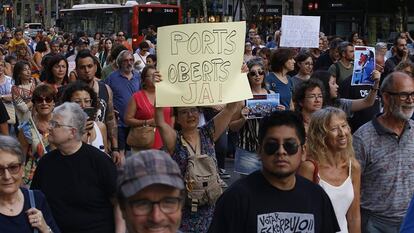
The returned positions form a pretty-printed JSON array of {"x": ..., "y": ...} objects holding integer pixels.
[
  {"x": 364, "y": 65},
  {"x": 262, "y": 105},
  {"x": 200, "y": 64},
  {"x": 300, "y": 31}
]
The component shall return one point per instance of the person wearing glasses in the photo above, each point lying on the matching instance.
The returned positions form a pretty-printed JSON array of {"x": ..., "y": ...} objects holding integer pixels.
[
  {"x": 308, "y": 99},
  {"x": 349, "y": 106},
  {"x": 150, "y": 192},
  {"x": 384, "y": 147},
  {"x": 16, "y": 213},
  {"x": 246, "y": 160},
  {"x": 78, "y": 180},
  {"x": 33, "y": 133},
  {"x": 331, "y": 163},
  {"x": 304, "y": 67},
  {"x": 186, "y": 140},
  {"x": 140, "y": 56},
  {"x": 121, "y": 39},
  {"x": 95, "y": 131},
  {"x": 275, "y": 197}
]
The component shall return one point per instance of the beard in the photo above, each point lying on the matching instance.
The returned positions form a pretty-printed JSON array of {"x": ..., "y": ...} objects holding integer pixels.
[{"x": 395, "y": 110}]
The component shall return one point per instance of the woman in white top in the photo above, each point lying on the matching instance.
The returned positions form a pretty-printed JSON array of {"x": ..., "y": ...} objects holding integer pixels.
[
  {"x": 331, "y": 163},
  {"x": 95, "y": 131}
]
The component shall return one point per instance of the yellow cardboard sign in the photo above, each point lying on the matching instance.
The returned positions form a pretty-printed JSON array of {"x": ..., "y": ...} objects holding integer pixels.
[{"x": 200, "y": 64}]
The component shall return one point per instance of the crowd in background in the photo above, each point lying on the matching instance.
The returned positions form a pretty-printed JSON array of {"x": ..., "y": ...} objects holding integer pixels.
[{"x": 79, "y": 105}]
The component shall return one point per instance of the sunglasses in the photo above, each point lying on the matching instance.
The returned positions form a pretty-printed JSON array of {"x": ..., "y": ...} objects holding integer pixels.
[
  {"x": 253, "y": 73},
  {"x": 291, "y": 147},
  {"x": 42, "y": 99}
]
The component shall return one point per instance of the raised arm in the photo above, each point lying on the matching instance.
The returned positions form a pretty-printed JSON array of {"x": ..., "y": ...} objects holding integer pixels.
[
  {"x": 368, "y": 101},
  {"x": 168, "y": 134},
  {"x": 222, "y": 120}
]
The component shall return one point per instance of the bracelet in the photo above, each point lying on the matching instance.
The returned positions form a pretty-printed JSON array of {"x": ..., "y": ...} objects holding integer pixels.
[{"x": 115, "y": 149}]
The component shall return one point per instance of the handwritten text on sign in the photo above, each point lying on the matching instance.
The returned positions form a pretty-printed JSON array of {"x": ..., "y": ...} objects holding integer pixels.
[
  {"x": 300, "y": 31},
  {"x": 200, "y": 63}
]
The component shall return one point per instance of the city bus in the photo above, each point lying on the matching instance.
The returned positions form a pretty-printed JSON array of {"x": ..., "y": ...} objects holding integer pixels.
[{"x": 132, "y": 18}]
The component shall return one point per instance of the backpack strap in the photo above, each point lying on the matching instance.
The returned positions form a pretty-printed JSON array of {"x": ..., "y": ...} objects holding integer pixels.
[{"x": 32, "y": 205}]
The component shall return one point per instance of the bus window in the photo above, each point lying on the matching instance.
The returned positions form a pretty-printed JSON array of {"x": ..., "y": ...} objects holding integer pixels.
[{"x": 156, "y": 16}]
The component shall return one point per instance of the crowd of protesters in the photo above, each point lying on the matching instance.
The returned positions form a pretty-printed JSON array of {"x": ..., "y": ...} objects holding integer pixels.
[{"x": 86, "y": 137}]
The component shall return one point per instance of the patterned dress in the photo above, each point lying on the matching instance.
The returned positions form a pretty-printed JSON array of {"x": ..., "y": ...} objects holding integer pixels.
[{"x": 197, "y": 222}]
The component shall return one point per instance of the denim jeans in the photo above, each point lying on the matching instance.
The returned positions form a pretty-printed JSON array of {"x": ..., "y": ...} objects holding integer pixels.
[{"x": 246, "y": 162}]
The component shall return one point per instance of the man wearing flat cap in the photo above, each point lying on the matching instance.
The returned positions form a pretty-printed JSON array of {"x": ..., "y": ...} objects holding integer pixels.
[{"x": 151, "y": 192}]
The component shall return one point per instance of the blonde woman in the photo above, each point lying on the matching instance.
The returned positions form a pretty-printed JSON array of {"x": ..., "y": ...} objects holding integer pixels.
[{"x": 331, "y": 163}]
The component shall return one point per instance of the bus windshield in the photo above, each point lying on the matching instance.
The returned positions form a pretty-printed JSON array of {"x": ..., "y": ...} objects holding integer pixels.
[{"x": 156, "y": 16}]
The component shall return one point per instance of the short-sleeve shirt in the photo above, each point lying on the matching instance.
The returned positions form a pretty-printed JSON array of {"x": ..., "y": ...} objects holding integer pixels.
[
  {"x": 252, "y": 204},
  {"x": 122, "y": 89},
  {"x": 343, "y": 71},
  {"x": 285, "y": 90},
  {"x": 387, "y": 164}
]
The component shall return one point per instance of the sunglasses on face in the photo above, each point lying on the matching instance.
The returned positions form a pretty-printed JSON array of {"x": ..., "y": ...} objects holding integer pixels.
[
  {"x": 259, "y": 72},
  {"x": 42, "y": 99},
  {"x": 291, "y": 147}
]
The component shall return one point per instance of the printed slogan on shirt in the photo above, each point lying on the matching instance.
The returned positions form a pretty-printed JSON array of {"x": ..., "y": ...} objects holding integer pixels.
[
  {"x": 281, "y": 222},
  {"x": 200, "y": 64}
]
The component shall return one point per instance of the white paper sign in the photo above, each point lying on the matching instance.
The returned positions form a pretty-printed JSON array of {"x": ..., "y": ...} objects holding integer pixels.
[{"x": 300, "y": 31}]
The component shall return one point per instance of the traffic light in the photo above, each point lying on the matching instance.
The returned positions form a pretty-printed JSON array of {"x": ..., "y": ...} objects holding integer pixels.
[
  {"x": 9, "y": 10},
  {"x": 313, "y": 6}
]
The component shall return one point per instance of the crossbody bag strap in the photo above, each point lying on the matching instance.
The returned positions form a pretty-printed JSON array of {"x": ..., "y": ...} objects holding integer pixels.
[{"x": 32, "y": 205}]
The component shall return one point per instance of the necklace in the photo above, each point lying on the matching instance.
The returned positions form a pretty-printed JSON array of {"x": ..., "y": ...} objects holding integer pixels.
[{"x": 11, "y": 208}]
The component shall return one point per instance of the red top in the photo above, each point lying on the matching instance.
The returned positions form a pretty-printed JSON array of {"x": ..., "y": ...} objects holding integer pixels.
[{"x": 146, "y": 110}]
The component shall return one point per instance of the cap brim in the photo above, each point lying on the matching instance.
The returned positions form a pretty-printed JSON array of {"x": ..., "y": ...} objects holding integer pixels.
[{"x": 131, "y": 187}]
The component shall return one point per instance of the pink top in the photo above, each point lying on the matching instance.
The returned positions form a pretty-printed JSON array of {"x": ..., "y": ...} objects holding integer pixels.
[{"x": 146, "y": 110}]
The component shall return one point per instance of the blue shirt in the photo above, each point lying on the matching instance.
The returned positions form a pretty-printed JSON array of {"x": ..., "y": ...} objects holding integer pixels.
[
  {"x": 122, "y": 89},
  {"x": 285, "y": 90},
  {"x": 408, "y": 224}
]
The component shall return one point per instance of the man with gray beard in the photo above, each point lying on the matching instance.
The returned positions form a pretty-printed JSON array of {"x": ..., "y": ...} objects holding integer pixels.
[{"x": 385, "y": 148}]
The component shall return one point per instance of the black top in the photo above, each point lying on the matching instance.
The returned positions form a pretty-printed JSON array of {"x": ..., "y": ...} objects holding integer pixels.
[
  {"x": 358, "y": 92},
  {"x": 252, "y": 204},
  {"x": 20, "y": 223},
  {"x": 78, "y": 188},
  {"x": 323, "y": 62},
  {"x": 392, "y": 62},
  {"x": 4, "y": 116}
]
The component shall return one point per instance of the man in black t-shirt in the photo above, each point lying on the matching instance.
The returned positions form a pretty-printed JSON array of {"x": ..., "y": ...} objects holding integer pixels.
[
  {"x": 275, "y": 199},
  {"x": 77, "y": 179},
  {"x": 4, "y": 117}
]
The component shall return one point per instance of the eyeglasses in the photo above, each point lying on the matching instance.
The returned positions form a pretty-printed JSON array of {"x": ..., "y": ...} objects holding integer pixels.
[
  {"x": 40, "y": 100},
  {"x": 259, "y": 72},
  {"x": 55, "y": 124},
  {"x": 168, "y": 205},
  {"x": 402, "y": 95},
  {"x": 188, "y": 111},
  {"x": 13, "y": 169},
  {"x": 291, "y": 147},
  {"x": 313, "y": 96}
]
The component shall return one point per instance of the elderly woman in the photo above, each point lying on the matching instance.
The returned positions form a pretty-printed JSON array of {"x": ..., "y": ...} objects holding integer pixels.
[
  {"x": 78, "y": 179},
  {"x": 190, "y": 140},
  {"x": 17, "y": 214},
  {"x": 86, "y": 97},
  {"x": 331, "y": 163},
  {"x": 34, "y": 132}
]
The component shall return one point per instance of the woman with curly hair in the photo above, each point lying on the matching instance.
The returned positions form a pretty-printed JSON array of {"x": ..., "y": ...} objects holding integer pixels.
[{"x": 331, "y": 163}]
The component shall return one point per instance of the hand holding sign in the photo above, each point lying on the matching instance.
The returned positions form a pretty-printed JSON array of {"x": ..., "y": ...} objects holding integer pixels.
[{"x": 201, "y": 64}]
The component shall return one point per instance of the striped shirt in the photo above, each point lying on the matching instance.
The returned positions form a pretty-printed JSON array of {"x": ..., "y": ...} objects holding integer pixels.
[{"x": 387, "y": 166}]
